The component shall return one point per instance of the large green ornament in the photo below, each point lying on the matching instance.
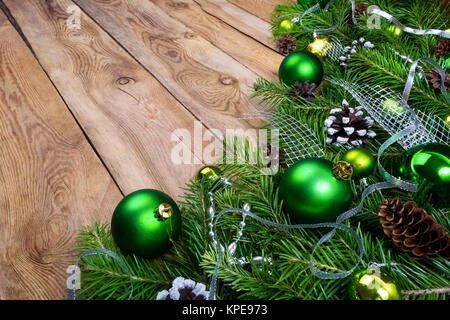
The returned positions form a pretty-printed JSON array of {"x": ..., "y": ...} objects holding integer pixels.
[
  {"x": 144, "y": 222},
  {"x": 430, "y": 163},
  {"x": 362, "y": 161},
  {"x": 311, "y": 193},
  {"x": 372, "y": 284},
  {"x": 301, "y": 66}
]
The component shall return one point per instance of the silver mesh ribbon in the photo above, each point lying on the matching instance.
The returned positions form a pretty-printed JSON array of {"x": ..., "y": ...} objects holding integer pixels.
[{"x": 297, "y": 138}]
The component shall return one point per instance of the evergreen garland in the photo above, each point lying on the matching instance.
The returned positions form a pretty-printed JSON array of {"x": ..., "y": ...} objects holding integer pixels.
[{"x": 194, "y": 255}]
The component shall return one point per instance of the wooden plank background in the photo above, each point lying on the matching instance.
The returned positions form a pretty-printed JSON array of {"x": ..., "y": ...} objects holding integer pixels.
[{"x": 89, "y": 115}]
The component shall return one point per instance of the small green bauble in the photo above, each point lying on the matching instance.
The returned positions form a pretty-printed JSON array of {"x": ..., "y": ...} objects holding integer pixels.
[
  {"x": 430, "y": 163},
  {"x": 373, "y": 284},
  {"x": 301, "y": 66},
  {"x": 208, "y": 172},
  {"x": 393, "y": 107},
  {"x": 145, "y": 222},
  {"x": 362, "y": 161},
  {"x": 286, "y": 25},
  {"x": 311, "y": 193},
  {"x": 395, "y": 30}
]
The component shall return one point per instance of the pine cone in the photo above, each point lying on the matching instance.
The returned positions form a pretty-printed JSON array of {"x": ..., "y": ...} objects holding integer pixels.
[
  {"x": 434, "y": 79},
  {"x": 442, "y": 47},
  {"x": 360, "y": 9},
  {"x": 413, "y": 229},
  {"x": 184, "y": 289},
  {"x": 305, "y": 90},
  {"x": 286, "y": 44},
  {"x": 348, "y": 125}
]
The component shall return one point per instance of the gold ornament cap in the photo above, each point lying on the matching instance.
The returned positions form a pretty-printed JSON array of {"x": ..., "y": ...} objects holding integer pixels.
[
  {"x": 343, "y": 170},
  {"x": 165, "y": 210}
]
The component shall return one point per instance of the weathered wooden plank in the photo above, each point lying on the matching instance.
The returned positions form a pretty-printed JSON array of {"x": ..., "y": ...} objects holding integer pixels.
[
  {"x": 125, "y": 111},
  {"x": 246, "y": 50},
  {"x": 260, "y": 8},
  {"x": 210, "y": 83},
  {"x": 240, "y": 19},
  {"x": 51, "y": 181}
]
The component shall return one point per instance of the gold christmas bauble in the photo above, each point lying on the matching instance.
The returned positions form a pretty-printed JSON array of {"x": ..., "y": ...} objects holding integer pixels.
[{"x": 320, "y": 46}]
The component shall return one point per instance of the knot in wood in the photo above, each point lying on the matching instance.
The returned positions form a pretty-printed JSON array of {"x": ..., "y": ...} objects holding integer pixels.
[
  {"x": 227, "y": 80},
  {"x": 125, "y": 80},
  {"x": 178, "y": 4},
  {"x": 189, "y": 35}
]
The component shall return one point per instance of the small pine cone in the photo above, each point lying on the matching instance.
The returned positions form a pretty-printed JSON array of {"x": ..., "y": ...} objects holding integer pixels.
[
  {"x": 183, "y": 289},
  {"x": 442, "y": 48},
  {"x": 413, "y": 230},
  {"x": 434, "y": 79},
  {"x": 286, "y": 44},
  {"x": 305, "y": 90},
  {"x": 360, "y": 9},
  {"x": 348, "y": 125}
]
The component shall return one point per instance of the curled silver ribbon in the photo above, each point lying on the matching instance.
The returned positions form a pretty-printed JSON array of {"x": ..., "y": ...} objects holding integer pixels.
[
  {"x": 315, "y": 8},
  {"x": 391, "y": 18},
  {"x": 71, "y": 291}
]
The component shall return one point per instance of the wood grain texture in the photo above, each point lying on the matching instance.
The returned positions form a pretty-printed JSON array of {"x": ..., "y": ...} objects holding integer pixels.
[
  {"x": 239, "y": 19},
  {"x": 51, "y": 181},
  {"x": 210, "y": 83},
  {"x": 125, "y": 111},
  {"x": 260, "y": 8},
  {"x": 249, "y": 52}
]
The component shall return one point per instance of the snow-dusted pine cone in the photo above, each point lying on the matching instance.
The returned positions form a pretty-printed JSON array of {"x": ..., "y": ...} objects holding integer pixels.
[
  {"x": 184, "y": 289},
  {"x": 434, "y": 79},
  {"x": 305, "y": 90},
  {"x": 286, "y": 44},
  {"x": 348, "y": 125},
  {"x": 442, "y": 47},
  {"x": 356, "y": 45}
]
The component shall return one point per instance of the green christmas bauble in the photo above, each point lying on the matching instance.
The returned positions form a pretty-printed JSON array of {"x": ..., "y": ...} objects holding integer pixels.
[
  {"x": 362, "y": 161},
  {"x": 208, "y": 172},
  {"x": 301, "y": 66},
  {"x": 144, "y": 223},
  {"x": 310, "y": 3},
  {"x": 286, "y": 25},
  {"x": 430, "y": 163},
  {"x": 311, "y": 193},
  {"x": 373, "y": 284},
  {"x": 394, "y": 30},
  {"x": 393, "y": 107}
]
